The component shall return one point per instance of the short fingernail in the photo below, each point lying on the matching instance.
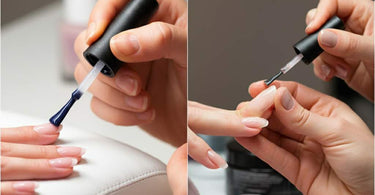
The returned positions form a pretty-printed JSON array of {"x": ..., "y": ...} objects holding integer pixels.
[
  {"x": 25, "y": 186},
  {"x": 325, "y": 70},
  {"x": 341, "y": 72},
  {"x": 70, "y": 151},
  {"x": 47, "y": 129},
  {"x": 128, "y": 84},
  {"x": 217, "y": 159},
  {"x": 287, "y": 100},
  {"x": 127, "y": 44},
  {"x": 310, "y": 24},
  {"x": 328, "y": 38},
  {"x": 90, "y": 30},
  {"x": 63, "y": 162},
  {"x": 254, "y": 122},
  {"x": 146, "y": 116},
  {"x": 139, "y": 103}
]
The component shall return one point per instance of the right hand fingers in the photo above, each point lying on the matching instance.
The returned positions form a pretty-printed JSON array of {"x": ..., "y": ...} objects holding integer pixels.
[
  {"x": 13, "y": 168},
  {"x": 200, "y": 151},
  {"x": 41, "y": 134},
  {"x": 18, "y": 188},
  {"x": 37, "y": 151}
]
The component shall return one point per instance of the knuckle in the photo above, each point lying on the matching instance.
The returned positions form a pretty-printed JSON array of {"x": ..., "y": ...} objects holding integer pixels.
[
  {"x": 165, "y": 33},
  {"x": 302, "y": 117},
  {"x": 353, "y": 44}
]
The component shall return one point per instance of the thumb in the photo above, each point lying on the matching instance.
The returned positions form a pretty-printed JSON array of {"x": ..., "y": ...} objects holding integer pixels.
[
  {"x": 151, "y": 42},
  {"x": 300, "y": 120},
  {"x": 346, "y": 44}
]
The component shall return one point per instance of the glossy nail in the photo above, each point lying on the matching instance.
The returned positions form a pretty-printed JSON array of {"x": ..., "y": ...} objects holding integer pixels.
[
  {"x": 90, "y": 31},
  {"x": 126, "y": 44},
  {"x": 341, "y": 72},
  {"x": 254, "y": 122},
  {"x": 25, "y": 186},
  {"x": 70, "y": 151},
  {"x": 328, "y": 38},
  {"x": 63, "y": 162},
  {"x": 47, "y": 129},
  {"x": 128, "y": 84},
  {"x": 146, "y": 116},
  {"x": 138, "y": 102},
  {"x": 287, "y": 101},
  {"x": 217, "y": 159},
  {"x": 325, "y": 70}
]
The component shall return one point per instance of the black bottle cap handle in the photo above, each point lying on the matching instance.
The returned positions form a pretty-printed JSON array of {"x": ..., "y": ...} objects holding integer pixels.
[
  {"x": 309, "y": 45},
  {"x": 136, "y": 13}
]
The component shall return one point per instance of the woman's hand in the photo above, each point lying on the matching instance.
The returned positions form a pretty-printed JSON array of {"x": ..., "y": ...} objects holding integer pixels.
[
  {"x": 26, "y": 155},
  {"x": 348, "y": 54},
  {"x": 150, "y": 90},
  {"x": 214, "y": 121},
  {"x": 317, "y": 142}
]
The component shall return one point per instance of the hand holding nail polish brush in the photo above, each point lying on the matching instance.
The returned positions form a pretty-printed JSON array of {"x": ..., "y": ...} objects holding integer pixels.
[
  {"x": 136, "y": 13},
  {"x": 308, "y": 48}
]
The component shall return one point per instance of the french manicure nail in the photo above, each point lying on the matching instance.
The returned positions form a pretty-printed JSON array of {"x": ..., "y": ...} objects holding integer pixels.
[
  {"x": 25, "y": 186},
  {"x": 138, "y": 102},
  {"x": 325, "y": 70},
  {"x": 287, "y": 100},
  {"x": 217, "y": 159},
  {"x": 146, "y": 116},
  {"x": 341, "y": 72},
  {"x": 47, "y": 129},
  {"x": 70, "y": 151},
  {"x": 128, "y": 84},
  {"x": 267, "y": 92},
  {"x": 263, "y": 101},
  {"x": 254, "y": 122},
  {"x": 63, "y": 162},
  {"x": 127, "y": 44},
  {"x": 328, "y": 38},
  {"x": 91, "y": 30}
]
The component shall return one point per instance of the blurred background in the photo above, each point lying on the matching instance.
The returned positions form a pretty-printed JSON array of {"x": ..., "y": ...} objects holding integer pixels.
[
  {"x": 232, "y": 44},
  {"x": 37, "y": 65}
]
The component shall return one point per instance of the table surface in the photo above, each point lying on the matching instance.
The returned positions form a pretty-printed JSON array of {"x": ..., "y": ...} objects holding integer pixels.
[{"x": 31, "y": 81}]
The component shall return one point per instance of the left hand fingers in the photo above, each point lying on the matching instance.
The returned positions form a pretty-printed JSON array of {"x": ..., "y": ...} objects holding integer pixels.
[
  {"x": 177, "y": 171},
  {"x": 18, "y": 187},
  {"x": 41, "y": 134}
]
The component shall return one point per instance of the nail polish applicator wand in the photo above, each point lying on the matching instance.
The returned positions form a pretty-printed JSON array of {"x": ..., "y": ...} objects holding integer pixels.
[
  {"x": 308, "y": 48},
  {"x": 136, "y": 13}
]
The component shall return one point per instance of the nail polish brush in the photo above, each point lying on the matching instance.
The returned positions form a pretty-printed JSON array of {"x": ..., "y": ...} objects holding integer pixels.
[
  {"x": 308, "y": 48},
  {"x": 136, "y": 13}
]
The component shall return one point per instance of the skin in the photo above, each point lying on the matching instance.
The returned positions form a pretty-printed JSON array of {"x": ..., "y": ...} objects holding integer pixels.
[
  {"x": 354, "y": 51},
  {"x": 158, "y": 67},
  {"x": 319, "y": 139},
  {"x": 25, "y": 155}
]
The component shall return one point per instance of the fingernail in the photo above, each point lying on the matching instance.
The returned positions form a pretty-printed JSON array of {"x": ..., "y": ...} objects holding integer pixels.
[
  {"x": 325, "y": 70},
  {"x": 127, "y": 44},
  {"x": 63, "y": 162},
  {"x": 25, "y": 186},
  {"x": 70, "y": 151},
  {"x": 47, "y": 129},
  {"x": 287, "y": 100},
  {"x": 310, "y": 24},
  {"x": 217, "y": 159},
  {"x": 139, "y": 103},
  {"x": 341, "y": 72},
  {"x": 146, "y": 116},
  {"x": 328, "y": 38},
  {"x": 128, "y": 84},
  {"x": 267, "y": 92},
  {"x": 254, "y": 122},
  {"x": 91, "y": 30}
]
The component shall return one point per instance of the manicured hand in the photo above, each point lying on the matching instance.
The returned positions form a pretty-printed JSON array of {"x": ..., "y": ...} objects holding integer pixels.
[
  {"x": 26, "y": 155},
  {"x": 317, "y": 142},
  {"x": 214, "y": 121},
  {"x": 150, "y": 90},
  {"x": 348, "y": 54}
]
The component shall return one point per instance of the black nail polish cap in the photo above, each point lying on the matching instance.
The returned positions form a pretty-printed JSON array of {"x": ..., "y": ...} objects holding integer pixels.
[
  {"x": 136, "y": 13},
  {"x": 309, "y": 45}
]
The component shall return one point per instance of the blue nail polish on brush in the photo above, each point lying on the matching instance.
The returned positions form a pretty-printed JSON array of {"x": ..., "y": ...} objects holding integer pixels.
[{"x": 99, "y": 54}]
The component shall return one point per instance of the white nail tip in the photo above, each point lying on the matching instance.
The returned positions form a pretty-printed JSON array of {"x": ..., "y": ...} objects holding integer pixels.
[
  {"x": 83, "y": 151},
  {"x": 74, "y": 161}
]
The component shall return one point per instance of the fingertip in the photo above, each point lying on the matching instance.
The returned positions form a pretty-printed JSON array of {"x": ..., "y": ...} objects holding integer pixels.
[
  {"x": 256, "y": 87},
  {"x": 94, "y": 31}
]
